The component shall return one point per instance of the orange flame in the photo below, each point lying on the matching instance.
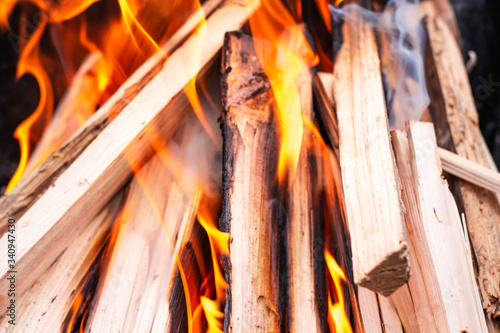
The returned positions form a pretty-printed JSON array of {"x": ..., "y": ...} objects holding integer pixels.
[
  {"x": 219, "y": 245},
  {"x": 290, "y": 58},
  {"x": 337, "y": 319}
]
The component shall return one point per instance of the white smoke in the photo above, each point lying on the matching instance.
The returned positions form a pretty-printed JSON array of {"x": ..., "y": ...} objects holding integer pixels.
[{"x": 400, "y": 23}]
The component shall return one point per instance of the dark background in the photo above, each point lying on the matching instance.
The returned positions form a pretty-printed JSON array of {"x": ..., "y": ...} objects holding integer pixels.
[{"x": 478, "y": 20}]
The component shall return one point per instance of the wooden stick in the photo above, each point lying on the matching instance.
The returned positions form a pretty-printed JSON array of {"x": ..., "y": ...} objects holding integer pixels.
[
  {"x": 390, "y": 318},
  {"x": 414, "y": 302},
  {"x": 50, "y": 298},
  {"x": 456, "y": 123},
  {"x": 250, "y": 172},
  {"x": 84, "y": 188},
  {"x": 143, "y": 263},
  {"x": 15, "y": 204},
  {"x": 303, "y": 230},
  {"x": 380, "y": 252},
  {"x": 470, "y": 171},
  {"x": 368, "y": 306},
  {"x": 440, "y": 242},
  {"x": 337, "y": 237}
]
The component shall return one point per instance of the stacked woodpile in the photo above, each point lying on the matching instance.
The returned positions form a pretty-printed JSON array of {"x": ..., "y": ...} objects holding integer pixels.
[{"x": 374, "y": 229}]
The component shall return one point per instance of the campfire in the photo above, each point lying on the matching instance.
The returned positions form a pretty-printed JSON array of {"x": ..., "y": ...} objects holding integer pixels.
[{"x": 247, "y": 166}]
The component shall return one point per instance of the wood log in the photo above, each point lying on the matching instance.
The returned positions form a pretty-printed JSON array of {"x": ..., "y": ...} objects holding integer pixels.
[
  {"x": 303, "y": 230},
  {"x": 370, "y": 314},
  {"x": 34, "y": 184},
  {"x": 389, "y": 316},
  {"x": 457, "y": 130},
  {"x": 337, "y": 234},
  {"x": 45, "y": 305},
  {"x": 143, "y": 261},
  {"x": 470, "y": 171},
  {"x": 249, "y": 189},
  {"x": 413, "y": 302},
  {"x": 104, "y": 166},
  {"x": 440, "y": 243},
  {"x": 380, "y": 252}
]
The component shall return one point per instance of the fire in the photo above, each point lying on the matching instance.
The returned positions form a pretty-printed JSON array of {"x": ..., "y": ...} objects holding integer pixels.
[
  {"x": 337, "y": 319},
  {"x": 142, "y": 24},
  {"x": 290, "y": 59},
  {"x": 219, "y": 245}
]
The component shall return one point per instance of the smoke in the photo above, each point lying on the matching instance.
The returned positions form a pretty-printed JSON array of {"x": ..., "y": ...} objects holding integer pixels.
[{"x": 401, "y": 38}]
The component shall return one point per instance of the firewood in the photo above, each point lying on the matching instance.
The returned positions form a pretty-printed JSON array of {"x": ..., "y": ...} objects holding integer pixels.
[
  {"x": 47, "y": 302},
  {"x": 34, "y": 184},
  {"x": 413, "y": 302},
  {"x": 405, "y": 307},
  {"x": 439, "y": 240},
  {"x": 368, "y": 306},
  {"x": 338, "y": 233},
  {"x": 250, "y": 173},
  {"x": 104, "y": 166},
  {"x": 467, "y": 170},
  {"x": 389, "y": 316},
  {"x": 380, "y": 252},
  {"x": 143, "y": 261},
  {"x": 302, "y": 230},
  {"x": 457, "y": 130}
]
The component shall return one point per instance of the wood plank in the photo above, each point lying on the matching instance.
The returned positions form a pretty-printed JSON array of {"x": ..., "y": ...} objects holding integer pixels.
[
  {"x": 143, "y": 262},
  {"x": 380, "y": 252},
  {"x": 467, "y": 170},
  {"x": 47, "y": 302},
  {"x": 413, "y": 301},
  {"x": 303, "y": 229},
  {"x": 390, "y": 318},
  {"x": 84, "y": 188},
  {"x": 439, "y": 240},
  {"x": 457, "y": 130},
  {"x": 250, "y": 159}
]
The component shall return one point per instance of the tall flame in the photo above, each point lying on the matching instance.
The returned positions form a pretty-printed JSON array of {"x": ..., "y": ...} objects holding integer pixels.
[
  {"x": 219, "y": 245},
  {"x": 337, "y": 319},
  {"x": 290, "y": 58}
]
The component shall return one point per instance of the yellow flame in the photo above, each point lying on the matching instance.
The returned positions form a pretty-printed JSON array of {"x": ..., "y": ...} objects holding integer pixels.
[
  {"x": 219, "y": 244},
  {"x": 290, "y": 58},
  {"x": 337, "y": 319}
]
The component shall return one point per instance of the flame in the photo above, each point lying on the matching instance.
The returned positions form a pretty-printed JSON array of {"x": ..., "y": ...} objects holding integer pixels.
[
  {"x": 290, "y": 58},
  {"x": 219, "y": 245},
  {"x": 337, "y": 319},
  {"x": 118, "y": 61}
]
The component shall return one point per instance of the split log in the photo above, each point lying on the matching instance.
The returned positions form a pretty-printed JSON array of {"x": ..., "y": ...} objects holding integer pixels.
[
  {"x": 405, "y": 307},
  {"x": 389, "y": 316},
  {"x": 337, "y": 233},
  {"x": 467, "y": 170},
  {"x": 249, "y": 189},
  {"x": 303, "y": 230},
  {"x": 380, "y": 252},
  {"x": 34, "y": 184},
  {"x": 457, "y": 130},
  {"x": 439, "y": 240},
  {"x": 413, "y": 302},
  {"x": 368, "y": 306},
  {"x": 45, "y": 305},
  {"x": 104, "y": 166},
  {"x": 143, "y": 261}
]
